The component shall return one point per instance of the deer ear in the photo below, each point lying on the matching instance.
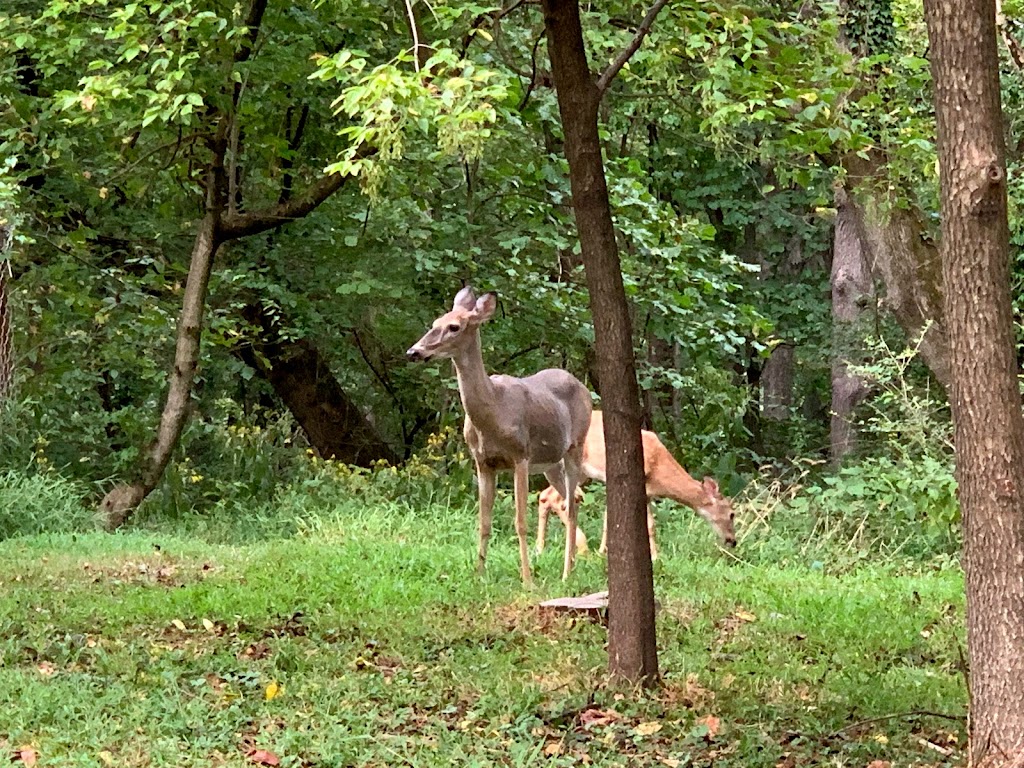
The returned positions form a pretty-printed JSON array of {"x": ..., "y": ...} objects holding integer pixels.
[
  {"x": 465, "y": 299},
  {"x": 711, "y": 486},
  {"x": 485, "y": 306}
]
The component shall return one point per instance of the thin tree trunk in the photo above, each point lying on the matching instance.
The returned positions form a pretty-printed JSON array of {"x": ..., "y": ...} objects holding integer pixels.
[
  {"x": 985, "y": 399},
  {"x": 6, "y": 321},
  {"x": 851, "y": 284},
  {"x": 118, "y": 504},
  {"x": 777, "y": 383},
  {"x": 632, "y": 652},
  {"x": 221, "y": 223}
]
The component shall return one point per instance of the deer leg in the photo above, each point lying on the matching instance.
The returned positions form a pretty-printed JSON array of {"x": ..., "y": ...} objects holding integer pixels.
[
  {"x": 650, "y": 532},
  {"x": 522, "y": 492},
  {"x": 542, "y": 523},
  {"x": 556, "y": 477},
  {"x": 604, "y": 533},
  {"x": 571, "y": 469},
  {"x": 485, "y": 481}
]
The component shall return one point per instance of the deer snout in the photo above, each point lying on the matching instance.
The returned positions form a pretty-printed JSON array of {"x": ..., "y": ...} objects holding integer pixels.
[
  {"x": 413, "y": 355},
  {"x": 731, "y": 542}
]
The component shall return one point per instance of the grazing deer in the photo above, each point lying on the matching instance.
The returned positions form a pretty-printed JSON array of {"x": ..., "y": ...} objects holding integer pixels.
[
  {"x": 665, "y": 478},
  {"x": 537, "y": 424}
]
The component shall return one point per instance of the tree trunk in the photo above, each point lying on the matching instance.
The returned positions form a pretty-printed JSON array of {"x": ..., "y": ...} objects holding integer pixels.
[
  {"x": 221, "y": 223},
  {"x": 301, "y": 377},
  {"x": 6, "y": 322},
  {"x": 119, "y": 503},
  {"x": 985, "y": 399},
  {"x": 777, "y": 383},
  {"x": 851, "y": 285},
  {"x": 900, "y": 255},
  {"x": 632, "y": 652},
  {"x": 906, "y": 262}
]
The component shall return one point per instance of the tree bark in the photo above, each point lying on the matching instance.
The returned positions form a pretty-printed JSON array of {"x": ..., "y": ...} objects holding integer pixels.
[
  {"x": 901, "y": 256},
  {"x": 903, "y": 259},
  {"x": 851, "y": 285},
  {"x": 777, "y": 383},
  {"x": 632, "y": 652},
  {"x": 989, "y": 434}
]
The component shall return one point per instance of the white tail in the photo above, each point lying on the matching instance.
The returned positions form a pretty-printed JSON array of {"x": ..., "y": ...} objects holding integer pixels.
[
  {"x": 665, "y": 478},
  {"x": 537, "y": 424}
]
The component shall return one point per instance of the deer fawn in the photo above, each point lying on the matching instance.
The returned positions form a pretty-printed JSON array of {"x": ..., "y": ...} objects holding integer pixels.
[
  {"x": 665, "y": 479},
  {"x": 537, "y": 424}
]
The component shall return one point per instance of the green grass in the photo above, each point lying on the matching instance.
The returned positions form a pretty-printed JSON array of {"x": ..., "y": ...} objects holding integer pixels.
[{"x": 157, "y": 648}]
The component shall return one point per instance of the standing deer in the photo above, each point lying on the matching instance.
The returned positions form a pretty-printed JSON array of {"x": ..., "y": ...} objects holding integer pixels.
[
  {"x": 537, "y": 424},
  {"x": 665, "y": 478}
]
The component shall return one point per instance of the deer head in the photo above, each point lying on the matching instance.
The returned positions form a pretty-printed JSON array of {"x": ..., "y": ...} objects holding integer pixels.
[
  {"x": 456, "y": 329},
  {"x": 718, "y": 512}
]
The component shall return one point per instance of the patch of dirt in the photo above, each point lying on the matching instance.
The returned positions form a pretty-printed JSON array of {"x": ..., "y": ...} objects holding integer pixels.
[{"x": 151, "y": 570}]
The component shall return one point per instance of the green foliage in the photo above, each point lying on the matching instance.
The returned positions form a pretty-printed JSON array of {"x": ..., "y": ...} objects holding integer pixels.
[
  {"x": 887, "y": 505},
  {"x": 900, "y": 496},
  {"x": 32, "y": 503}
]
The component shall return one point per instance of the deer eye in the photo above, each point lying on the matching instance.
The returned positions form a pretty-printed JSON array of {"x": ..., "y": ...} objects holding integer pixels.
[{"x": 454, "y": 328}]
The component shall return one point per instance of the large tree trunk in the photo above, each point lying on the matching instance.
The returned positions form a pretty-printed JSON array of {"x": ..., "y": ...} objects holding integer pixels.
[
  {"x": 851, "y": 285},
  {"x": 301, "y": 377},
  {"x": 900, "y": 255},
  {"x": 632, "y": 652},
  {"x": 903, "y": 259},
  {"x": 986, "y": 400}
]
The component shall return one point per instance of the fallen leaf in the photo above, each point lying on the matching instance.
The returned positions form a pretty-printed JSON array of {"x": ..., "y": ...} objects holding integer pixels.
[
  {"x": 263, "y": 757},
  {"x": 179, "y": 624},
  {"x": 107, "y": 758},
  {"x": 671, "y": 762},
  {"x": 46, "y": 669},
  {"x": 745, "y": 616},
  {"x": 648, "y": 728},
  {"x": 273, "y": 691},
  {"x": 590, "y": 718},
  {"x": 27, "y": 755},
  {"x": 553, "y": 748},
  {"x": 879, "y": 764},
  {"x": 210, "y": 626},
  {"x": 881, "y": 738},
  {"x": 713, "y": 724}
]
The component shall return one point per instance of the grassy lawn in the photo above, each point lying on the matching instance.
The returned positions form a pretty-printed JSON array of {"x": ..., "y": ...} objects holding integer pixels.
[{"x": 365, "y": 638}]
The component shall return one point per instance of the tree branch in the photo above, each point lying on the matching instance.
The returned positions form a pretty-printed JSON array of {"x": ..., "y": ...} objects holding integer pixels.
[
  {"x": 1012, "y": 46},
  {"x": 242, "y": 225},
  {"x": 620, "y": 61}
]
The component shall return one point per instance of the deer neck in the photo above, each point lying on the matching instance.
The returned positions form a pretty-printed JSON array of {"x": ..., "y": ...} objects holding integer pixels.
[
  {"x": 475, "y": 387},
  {"x": 676, "y": 484}
]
